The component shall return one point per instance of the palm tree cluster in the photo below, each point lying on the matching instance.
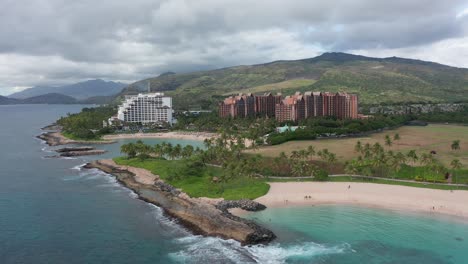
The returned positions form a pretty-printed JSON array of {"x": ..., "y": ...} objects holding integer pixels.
[
  {"x": 375, "y": 160},
  {"x": 164, "y": 150},
  {"x": 299, "y": 163},
  {"x": 226, "y": 151}
]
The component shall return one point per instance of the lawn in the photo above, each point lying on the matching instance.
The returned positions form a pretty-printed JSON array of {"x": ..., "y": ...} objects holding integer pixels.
[
  {"x": 437, "y": 137},
  {"x": 200, "y": 185}
]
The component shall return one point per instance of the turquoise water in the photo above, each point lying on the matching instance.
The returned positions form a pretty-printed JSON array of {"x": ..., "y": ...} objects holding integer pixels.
[
  {"x": 53, "y": 211},
  {"x": 350, "y": 234}
]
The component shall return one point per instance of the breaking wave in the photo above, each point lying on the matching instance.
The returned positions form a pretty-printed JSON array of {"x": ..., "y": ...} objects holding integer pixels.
[{"x": 199, "y": 249}]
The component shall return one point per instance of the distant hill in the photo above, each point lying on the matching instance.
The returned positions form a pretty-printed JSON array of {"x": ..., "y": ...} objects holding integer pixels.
[
  {"x": 55, "y": 98},
  {"x": 79, "y": 91},
  {"x": 51, "y": 98},
  {"x": 5, "y": 100},
  {"x": 375, "y": 80}
]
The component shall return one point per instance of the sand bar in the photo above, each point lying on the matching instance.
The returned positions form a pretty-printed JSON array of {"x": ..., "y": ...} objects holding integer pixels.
[
  {"x": 165, "y": 135},
  {"x": 454, "y": 203}
]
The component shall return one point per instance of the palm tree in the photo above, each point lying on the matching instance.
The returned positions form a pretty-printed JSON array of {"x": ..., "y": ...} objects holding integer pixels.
[
  {"x": 208, "y": 142},
  {"x": 303, "y": 154},
  {"x": 388, "y": 141},
  {"x": 331, "y": 159},
  {"x": 379, "y": 161},
  {"x": 455, "y": 145},
  {"x": 397, "y": 159},
  {"x": 367, "y": 150},
  {"x": 358, "y": 147},
  {"x": 282, "y": 155},
  {"x": 294, "y": 154},
  {"x": 352, "y": 167},
  {"x": 129, "y": 149},
  {"x": 157, "y": 150},
  {"x": 377, "y": 149},
  {"x": 456, "y": 165},
  {"x": 311, "y": 150},
  {"x": 187, "y": 151},
  {"x": 396, "y": 138},
  {"x": 428, "y": 161},
  {"x": 411, "y": 155}
]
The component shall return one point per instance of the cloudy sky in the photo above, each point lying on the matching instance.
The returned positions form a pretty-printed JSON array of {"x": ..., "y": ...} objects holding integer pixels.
[{"x": 51, "y": 42}]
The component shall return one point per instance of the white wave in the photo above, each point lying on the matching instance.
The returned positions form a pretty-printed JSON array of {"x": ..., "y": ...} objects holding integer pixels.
[
  {"x": 78, "y": 167},
  {"x": 198, "y": 249},
  {"x": 277, "y": 253},
  {"x": 68, "y": 158},
  {"x": 166, "y": 221},
  {"x": 132, "y": 194},
  {"x": 47, "y": 149}
]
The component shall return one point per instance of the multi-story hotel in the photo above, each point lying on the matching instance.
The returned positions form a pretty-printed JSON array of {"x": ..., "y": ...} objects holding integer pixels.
[
  {"x": 292, "y": 108},
  {"x": 146, "y": 108}
]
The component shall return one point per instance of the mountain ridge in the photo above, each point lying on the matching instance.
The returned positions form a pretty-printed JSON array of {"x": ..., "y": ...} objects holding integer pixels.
[
  {"x": 79, "y": 91},
  {"x": 375, "y": 80}
]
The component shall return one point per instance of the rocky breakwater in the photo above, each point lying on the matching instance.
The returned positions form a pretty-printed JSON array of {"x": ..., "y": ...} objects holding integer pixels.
[
  {"x": 201, "y": 217},
  {"x": 79, "y": 151}
]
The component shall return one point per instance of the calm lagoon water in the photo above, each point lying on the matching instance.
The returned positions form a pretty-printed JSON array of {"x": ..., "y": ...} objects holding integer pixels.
[{"x": 52, "y": 211}]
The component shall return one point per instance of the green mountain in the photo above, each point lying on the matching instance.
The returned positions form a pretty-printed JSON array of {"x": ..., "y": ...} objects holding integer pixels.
[{"x": 375, "y": 80}]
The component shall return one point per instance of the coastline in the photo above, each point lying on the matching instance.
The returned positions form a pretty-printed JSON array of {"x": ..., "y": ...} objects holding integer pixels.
[
  {"x": 199, "y": 136},
  {"x": 55, "y": 138},
  {"x": 204, "y": 216},
  {"x": 392, "y": 197}
]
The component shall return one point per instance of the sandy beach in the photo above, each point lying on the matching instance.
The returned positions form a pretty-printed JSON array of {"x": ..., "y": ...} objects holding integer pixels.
[
  {"x": 431, "y": 201},
  {"x": 166, "y": 135}
]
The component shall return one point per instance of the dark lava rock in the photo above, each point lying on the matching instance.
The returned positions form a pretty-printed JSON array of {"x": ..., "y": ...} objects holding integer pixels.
[
  {"x": 244, "y": 204},
  {"x": 74, "y": 149}
]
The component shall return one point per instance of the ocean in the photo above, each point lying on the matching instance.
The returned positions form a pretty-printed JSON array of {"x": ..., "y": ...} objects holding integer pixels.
[{"x": 54, "y": 211}]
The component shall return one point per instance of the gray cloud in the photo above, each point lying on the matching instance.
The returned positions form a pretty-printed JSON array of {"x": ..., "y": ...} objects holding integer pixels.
[{"x": 61, "y": 41}]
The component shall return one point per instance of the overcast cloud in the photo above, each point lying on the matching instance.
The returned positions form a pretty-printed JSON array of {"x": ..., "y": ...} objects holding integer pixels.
[{"x": 50, "y": 42}]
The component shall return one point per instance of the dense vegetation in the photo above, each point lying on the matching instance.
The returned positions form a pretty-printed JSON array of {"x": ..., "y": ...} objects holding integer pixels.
[
  {"x": 452, "y": 117},
  {"x": 375, "y": 80},
  {"x": 218, "y": 171},
  {"x": 87, "y": 124},
  {"x": 375, "y": 160},
  {"x": 222, "y": 169},
  {"x": 315, "y": 127}
]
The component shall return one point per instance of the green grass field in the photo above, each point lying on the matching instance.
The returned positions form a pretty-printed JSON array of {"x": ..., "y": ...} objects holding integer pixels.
[
  {"x": 200, "y": 185},
  {"x": 437, "y": 137}
]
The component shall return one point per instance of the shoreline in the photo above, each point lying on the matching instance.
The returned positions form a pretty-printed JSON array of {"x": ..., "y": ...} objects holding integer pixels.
[
  {"x": 391, "y": 197},
  {"x": 198, "y": 136},
  {"x": 55, "y": 138},
  {"x": 203, "y": 216}
]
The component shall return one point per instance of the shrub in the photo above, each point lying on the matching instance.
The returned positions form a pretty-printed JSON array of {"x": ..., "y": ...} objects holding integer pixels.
[{"x": 321, "y": 175}]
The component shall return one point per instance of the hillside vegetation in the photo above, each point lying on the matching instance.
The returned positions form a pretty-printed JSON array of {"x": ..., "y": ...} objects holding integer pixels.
[{"x": 375, "y": 80}]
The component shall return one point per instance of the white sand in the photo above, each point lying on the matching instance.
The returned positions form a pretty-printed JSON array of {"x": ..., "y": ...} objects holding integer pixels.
[
  {"x": 167, "y": 135},
  {"x": 367, "y": 194}
]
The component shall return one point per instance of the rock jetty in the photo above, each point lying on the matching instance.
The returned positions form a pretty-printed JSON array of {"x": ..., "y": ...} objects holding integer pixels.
[{"x": 201, "y": 217}]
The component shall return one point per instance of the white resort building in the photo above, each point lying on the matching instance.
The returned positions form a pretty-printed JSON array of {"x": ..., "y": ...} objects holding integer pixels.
[{"x": 146, "y": 108}]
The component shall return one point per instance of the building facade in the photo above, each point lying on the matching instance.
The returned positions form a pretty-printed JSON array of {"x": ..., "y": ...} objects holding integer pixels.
[
  {"x": 292, "y": 108},
  {"x": 146, "y": 108}
]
